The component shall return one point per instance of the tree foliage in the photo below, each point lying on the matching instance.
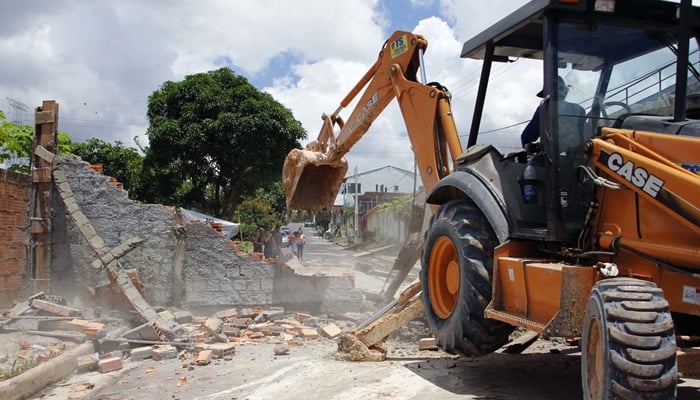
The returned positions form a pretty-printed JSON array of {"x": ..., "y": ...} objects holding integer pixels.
[
  {"x": 215, "y": 139},
  {"x": 120, "y": 162},
  {"x": 17, "y": 141},
  {"x": 15, "y": 145},
  {"x": 257, "y": 211},
  {"x": 399, "y": 207}
]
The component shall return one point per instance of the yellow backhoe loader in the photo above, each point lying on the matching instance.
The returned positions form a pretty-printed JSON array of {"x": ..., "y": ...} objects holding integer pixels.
[{"x": 592, "y": 232}]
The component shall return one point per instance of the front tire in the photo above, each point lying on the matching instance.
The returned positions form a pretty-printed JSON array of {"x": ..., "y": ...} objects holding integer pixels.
[
  {"x": 456, "y": 276},
  {"x": 628, "y": 347}
]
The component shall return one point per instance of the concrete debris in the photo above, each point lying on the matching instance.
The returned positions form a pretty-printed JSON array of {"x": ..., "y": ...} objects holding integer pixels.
[
  {"x": 428, "y": 344},
  {"x": 331, "y": 331},
  {"x": 87, "y": 362},
  {"x": 281, "y": 349},
  {"x": 226, "y": 314},
  {"x": 141, "y": 353},
  {"x": 146, "y": 331},
  {"x": 165, "y": 352},
  {"x": 182, "y": 317},
  {"x": 198, "y": 340},
  {"x": 231, "y": 331},
  {"x": 55, "y": 308},
  {"x": 350, "y": 348}
]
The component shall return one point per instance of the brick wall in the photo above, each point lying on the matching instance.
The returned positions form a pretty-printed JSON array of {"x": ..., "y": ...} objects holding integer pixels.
[{"x": 15, "y": 195}]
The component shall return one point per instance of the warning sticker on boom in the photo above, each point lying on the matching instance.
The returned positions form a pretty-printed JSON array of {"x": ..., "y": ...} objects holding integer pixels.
[{"x": 691, "y": 294}]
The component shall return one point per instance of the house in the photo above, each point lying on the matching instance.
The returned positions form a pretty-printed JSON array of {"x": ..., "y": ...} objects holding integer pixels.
[
  {"x": 372, "y": 188},
  {"x": 387, "y": 179}
]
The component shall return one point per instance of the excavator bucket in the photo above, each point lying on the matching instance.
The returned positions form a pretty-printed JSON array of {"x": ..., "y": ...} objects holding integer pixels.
[{"x": 311, "y": 182}]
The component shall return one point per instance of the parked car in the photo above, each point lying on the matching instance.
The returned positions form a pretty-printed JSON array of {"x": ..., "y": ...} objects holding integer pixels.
[
  {"x": 308, "y": 224},
  {"x": 285, "y": 239},
  {"x": 286, "y": 229}
]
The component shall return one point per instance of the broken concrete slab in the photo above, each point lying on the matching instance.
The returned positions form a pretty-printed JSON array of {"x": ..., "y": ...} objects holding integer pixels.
[
  {"x": 87, "y": 362},
  {"x": 141, "y": 353},
  {"x": 226, "y": 314},
  {"x": 182, "y": 316},
  {"x": 165, "y": 352},
  {"x": 54, "y": 308},
  {"x": 146, "y": 331}
]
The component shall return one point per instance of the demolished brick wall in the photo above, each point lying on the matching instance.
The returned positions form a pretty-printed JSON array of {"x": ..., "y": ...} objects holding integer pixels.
[
  {"x": 215, "y": 276},
  {"x": 115, "y": 218},
  {"x": 317, "y": 293},
  {"x": 209, "y": 273},
  {"x": 192, "y": 267},
  {"x": 15, "y": 196}
]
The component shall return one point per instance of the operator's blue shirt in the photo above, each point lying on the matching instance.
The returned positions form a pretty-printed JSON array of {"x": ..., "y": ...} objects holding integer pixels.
[{"x": 532, "y": 130}]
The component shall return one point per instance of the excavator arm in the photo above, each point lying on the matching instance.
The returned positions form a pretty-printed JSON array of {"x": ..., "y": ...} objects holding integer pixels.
[
  {"x": 312, "y": 176},
  {"x": 659, "y": 169},
  {"x": 623, "y": 155}
]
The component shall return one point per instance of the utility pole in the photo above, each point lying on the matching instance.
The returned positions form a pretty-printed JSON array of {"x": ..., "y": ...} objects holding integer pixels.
[{"x": 357, "y": 207}]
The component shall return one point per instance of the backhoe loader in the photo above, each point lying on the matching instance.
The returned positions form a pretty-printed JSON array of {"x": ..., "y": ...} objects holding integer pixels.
[{"x": 594, "y": 231}]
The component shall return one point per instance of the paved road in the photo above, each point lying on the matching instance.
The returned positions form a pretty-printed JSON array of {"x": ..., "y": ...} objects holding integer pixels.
[
  {"x": 546, "y": 371},
  {"x": 319, "y": 252},
  {"x": 325, "y": 257}
]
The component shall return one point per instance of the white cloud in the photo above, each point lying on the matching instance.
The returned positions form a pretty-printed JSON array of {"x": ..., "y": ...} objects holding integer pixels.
[{"x": 101, "y": 60}]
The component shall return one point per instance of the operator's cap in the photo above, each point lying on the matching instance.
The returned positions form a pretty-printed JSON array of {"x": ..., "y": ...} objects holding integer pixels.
[{"x": 561, "y": 87}]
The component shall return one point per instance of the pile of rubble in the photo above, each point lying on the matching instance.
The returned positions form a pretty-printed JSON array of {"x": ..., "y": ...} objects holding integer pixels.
[
  {"x": 195, "y": 338},
  {"x": 201, "y": 339},
  {"x": 45, "y": 328}
]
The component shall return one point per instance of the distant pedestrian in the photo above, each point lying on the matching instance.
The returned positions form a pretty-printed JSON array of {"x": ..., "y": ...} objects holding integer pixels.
[
  {"x": 300, "y": 241},
  {"x": 277, "y": 236},
  {"x": 294, "y": 243},
  {"x": 269, "y": 245},
  {"x": 258, "y": 241}
]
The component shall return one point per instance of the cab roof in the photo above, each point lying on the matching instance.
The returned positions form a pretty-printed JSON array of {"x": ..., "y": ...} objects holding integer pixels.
[{"x": 520, "y": 33}]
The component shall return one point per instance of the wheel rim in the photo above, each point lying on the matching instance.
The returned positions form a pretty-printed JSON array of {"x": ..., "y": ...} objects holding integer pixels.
[
  {"x": 594, "y": 365},
  {"x": 443, "y": 277}
]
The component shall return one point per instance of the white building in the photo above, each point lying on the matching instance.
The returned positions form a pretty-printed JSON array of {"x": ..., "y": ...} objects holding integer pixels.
[{"x": 387, "y": 179}]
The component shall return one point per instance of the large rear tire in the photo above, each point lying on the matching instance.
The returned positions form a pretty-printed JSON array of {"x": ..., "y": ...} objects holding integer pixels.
[
  {"x": 628, "y": 348},
  {"x": 456, "y": 275}
]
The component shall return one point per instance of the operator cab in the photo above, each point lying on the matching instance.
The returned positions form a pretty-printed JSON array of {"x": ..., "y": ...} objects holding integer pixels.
[{"x": 618, "y": 59}]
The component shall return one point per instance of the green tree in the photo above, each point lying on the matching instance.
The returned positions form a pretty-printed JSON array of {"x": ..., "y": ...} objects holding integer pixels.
[
  {"x": 118, "y": 161},
  {"x": 257, "y": 211},
  {"x": 215, "y": 139},
  {"x": 400, "y": 208},
  {"x": 16, "y": 144}
]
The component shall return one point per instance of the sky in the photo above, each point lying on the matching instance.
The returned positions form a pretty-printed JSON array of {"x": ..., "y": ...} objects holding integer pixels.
[{"x": 100, "y": 60}]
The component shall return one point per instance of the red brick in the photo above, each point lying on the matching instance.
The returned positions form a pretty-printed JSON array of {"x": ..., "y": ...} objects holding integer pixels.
[
  {"x": 109, "y": 364},
  {"x": 308, "y": 333},
  {"x": 331, "y": 331},
  {"x": 204, "y": 357},
  {"x": 302, "y": 316}
]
